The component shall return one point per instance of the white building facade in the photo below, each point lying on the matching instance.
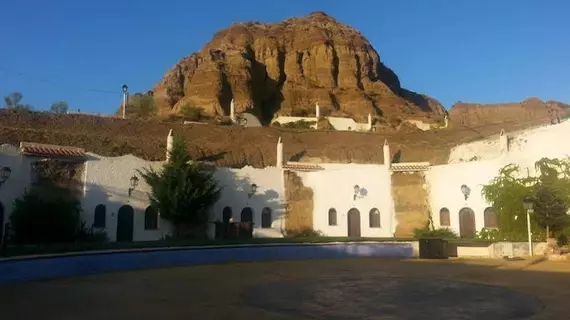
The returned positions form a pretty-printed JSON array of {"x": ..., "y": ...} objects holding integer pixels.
[{"x": 348, "y": 199}]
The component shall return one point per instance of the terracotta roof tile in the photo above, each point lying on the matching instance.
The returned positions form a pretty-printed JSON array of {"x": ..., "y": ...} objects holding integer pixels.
[
  {"x": 302, "y": 167},
  {"x": 38, "y": 149},
  {"x": 410, "y": 167}
]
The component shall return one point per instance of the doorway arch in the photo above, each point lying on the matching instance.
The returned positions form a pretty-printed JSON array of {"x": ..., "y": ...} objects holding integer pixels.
[
  {"x": 125, "y": 222},
  {"x": 246, "y": 215},
  {"x": 353, "y": 222},
  {"x": 467, "y": 223}
]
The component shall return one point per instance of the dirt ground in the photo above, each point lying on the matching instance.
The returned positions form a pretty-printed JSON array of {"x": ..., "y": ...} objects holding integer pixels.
[
  {"x": 235, "y": 146},
  {"x": 318, "y": 289}
]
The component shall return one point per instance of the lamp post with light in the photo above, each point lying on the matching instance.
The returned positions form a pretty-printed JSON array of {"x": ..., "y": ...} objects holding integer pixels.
[
  {"x": 528, "y": 206},
  {"x": 125, "y": 93},
  {"x": 252, "y": 190}
]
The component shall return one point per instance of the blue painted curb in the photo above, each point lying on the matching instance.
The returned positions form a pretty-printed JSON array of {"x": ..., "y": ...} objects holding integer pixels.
[{"x": 41, "y": 268}]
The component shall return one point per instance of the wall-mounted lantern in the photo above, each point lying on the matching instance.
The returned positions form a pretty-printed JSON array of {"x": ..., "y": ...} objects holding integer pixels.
[
  {"x": 466, "y": 191},
  {"x": 252, "y": 190},
  {"x": 134, "y": 183},
  {"x": 356, "y": 191},
  {"x": 5, "y": 173}
]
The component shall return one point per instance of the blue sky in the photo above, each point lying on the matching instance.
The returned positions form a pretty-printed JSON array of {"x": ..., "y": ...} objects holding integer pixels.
[{"x": 473, "y": 51}]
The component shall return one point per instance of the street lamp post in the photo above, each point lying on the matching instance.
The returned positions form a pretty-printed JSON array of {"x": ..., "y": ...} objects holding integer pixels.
[
  {"x": 125, "y": 92},
  {"x": 528, "y": 205}
]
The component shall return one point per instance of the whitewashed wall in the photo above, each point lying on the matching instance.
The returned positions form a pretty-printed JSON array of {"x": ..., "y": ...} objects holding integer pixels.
[
  {"x": 107, "y": 181},
  {"x": 444, "y": 188},
  {"x": 476, "y": 164},
  {"x": 270, "y": 193},
  {"x": 334, "y": 188},
  {"x": 19, "y": 179}
]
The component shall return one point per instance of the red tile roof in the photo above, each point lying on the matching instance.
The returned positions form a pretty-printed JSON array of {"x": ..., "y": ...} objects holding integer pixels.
[
  {"x": 47, "y": 150},
  {"x": 410, "y": 166},
  {"x": 297, "y": 166}
]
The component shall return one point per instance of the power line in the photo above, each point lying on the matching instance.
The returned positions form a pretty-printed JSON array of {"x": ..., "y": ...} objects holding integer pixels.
[{"x": 21, "y": 74}]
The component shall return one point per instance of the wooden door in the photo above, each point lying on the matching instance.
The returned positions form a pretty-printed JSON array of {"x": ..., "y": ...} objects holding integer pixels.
[
  {"x": 467, "y": 223},
  {"x": 125, "y": 222},
  {"x": 353, "y": 224}
]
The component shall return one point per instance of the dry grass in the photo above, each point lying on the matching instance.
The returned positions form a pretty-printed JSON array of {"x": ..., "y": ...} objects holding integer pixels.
[{"x": 235, "y": 146}]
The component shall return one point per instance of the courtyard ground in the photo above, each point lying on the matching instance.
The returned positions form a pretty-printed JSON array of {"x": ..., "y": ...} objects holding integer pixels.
[{"x": 318, "y": 289}]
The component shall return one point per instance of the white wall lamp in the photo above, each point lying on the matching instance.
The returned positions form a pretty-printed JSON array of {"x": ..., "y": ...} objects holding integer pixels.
[
  {"x": 466, "y": 191},
  {"x": 252, "y": 190},
  {"x": 134, "y": 183},
  {"x": 356, "y": 191},
  {"x": 5, "y": 173}
]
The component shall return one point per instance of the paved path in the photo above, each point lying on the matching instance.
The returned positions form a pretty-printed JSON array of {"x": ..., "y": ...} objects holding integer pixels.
[{"x": 321, "y": 289}]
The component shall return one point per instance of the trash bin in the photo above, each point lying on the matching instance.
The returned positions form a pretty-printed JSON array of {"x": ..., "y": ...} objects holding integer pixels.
[{"x": 431, "y": 248}]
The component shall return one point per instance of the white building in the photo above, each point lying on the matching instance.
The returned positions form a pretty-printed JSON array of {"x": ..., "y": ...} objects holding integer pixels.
[{"x": 348, "y": 199}]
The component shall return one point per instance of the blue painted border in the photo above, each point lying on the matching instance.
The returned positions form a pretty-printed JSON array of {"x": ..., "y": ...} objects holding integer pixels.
[{"x": 29, "y": 269}]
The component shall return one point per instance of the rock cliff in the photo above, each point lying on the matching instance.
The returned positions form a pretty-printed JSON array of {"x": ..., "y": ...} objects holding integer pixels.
[
  {"x": 285, "y": 68},
  {"x": 531, "y": 110}
]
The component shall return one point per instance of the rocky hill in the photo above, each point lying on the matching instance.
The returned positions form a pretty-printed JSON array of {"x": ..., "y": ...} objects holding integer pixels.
[
  {"x": 285, "y": 68},
  {"x": 473, "y": 115}
]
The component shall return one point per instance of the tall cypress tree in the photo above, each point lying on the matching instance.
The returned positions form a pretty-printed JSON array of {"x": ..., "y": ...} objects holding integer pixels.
[{"x": 183, "y": 192}]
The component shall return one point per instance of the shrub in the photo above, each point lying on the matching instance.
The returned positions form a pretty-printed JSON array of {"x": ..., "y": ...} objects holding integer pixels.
[
  {"x": 489, "y": 234},
  {"x": 562, "y": 240},
  {"x": 303, "y": 233},
  {"x": 301, "y": 124},
  {"x": 192, "y": 113},
  {"x": 38, "y": 219},
  {"x": 427, "y": 232}
]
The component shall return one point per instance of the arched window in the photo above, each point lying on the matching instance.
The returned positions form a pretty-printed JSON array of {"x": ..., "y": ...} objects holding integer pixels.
[
  {"x": 266, "y": 218},
  {"x": 490, "y": 218},
  {"x": 150, "y": 218},
  {"x": 247, "y": 215},
  {"x": 374, "y": 218},
  {"x": 100, "y": 216},
  {"x": 444, "y": 217},
  {"x": 227, "y": 215},
  {"x": 332, "y": 217}
]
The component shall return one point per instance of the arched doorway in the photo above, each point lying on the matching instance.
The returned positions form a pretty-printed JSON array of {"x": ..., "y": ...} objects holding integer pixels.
[
  {"x": 467, "y": 223},
  {"x": 1, "y": 222},
  {"x": 266, "y": 218},
  {"x": 227, "y": 215},
  {"x": 247, "y": 214},
  {"x": 125, "y": 221},
  {"x": 353, "y": 218}
]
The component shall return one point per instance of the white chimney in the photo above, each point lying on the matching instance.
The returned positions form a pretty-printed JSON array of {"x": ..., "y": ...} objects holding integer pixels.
[
  {"x": 279, "y": 162},
  {"x": 386, "y": 153},
  {"x": 446, "y": 121},
  {"x": 232, "y": 111},
  {"x": 503, "y": 142},
  {"x": 317, "y": 111},
  {"x": 169, "y": 142},
  {"x": 369, "y": 122}
]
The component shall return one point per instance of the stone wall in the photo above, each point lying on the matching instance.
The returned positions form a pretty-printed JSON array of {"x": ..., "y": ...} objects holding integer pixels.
[
  {"x": 410, "y": 203},
  {"x": 299, "y": 211}
]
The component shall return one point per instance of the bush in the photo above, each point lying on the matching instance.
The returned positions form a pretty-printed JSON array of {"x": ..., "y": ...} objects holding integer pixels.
[
  {"x": 562, "y": 240},
  {"x": 426, "y": 232},
  {"x": 301, "y": 124},
  {"x": 38, "y": 220},
  {"x": 303, "y": 233},
  {"x": 489, "y": 234},
  {"x": 192, "y": 113}
]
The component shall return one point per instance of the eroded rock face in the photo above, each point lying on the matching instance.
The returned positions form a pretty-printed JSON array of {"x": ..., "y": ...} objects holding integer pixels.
[
  {"x": 288, "y": 66},
  {"x": 530, "y": 110}
]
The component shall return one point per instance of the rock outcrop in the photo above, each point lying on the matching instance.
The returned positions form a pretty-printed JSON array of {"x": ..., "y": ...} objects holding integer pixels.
[
  {"x": 286, "y": 67},
  {"x": 531, "y": 110}
]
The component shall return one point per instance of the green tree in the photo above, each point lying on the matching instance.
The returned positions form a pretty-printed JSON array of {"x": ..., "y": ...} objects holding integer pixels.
[
  {"x": 59, "y": 107},
  {"x": 12, "y": 101},
  {"x": 183, "y": 192},
  {"x": 550, "y": 190},
  {"x": 142, "y": 106}
]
